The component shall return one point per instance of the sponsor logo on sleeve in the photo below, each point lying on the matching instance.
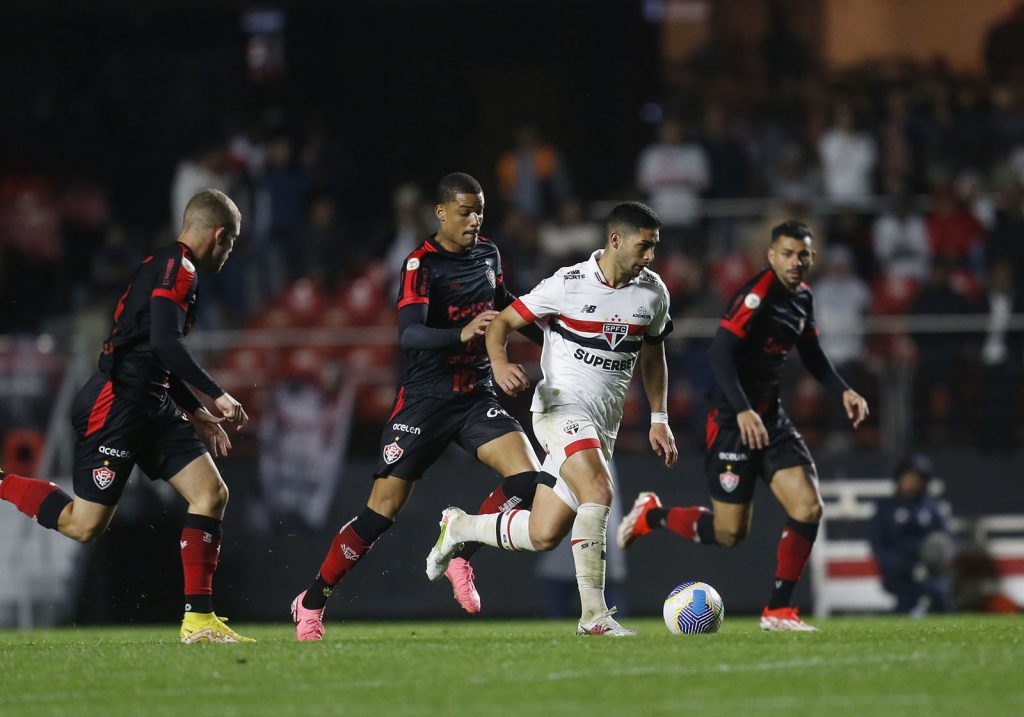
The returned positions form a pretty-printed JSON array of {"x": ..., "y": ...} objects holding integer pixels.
[
  {"x": 102, "y": 477},
  {"x": 413, "y": 264},
  {"x": 752, "y": 301},
  {"x": 491, "y": 279},
  {"x": 494, "y": 412}
]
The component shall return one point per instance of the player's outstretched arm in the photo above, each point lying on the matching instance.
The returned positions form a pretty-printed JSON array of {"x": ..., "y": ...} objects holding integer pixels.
[
  {"x": 821, "y": 367},
  {"x": 654, "y": 372},
  {"x": 510, "y": 377}
]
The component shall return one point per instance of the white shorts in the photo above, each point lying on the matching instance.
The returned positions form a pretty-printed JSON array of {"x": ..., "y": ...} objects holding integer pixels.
[{"x": 562, "y": 431}]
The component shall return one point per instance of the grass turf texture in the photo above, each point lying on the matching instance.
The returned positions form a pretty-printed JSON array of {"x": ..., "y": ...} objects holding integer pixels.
[{"x": 853, "y": 666}]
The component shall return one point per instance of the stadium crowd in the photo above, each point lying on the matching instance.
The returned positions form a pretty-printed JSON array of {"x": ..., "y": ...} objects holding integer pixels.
[{"x": 912, "y": 178}]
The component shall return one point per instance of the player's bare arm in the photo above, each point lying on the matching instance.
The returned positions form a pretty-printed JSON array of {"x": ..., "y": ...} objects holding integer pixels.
[
  {"x": 654, "y": 372},
  {"x": 856, "y": 407},
  {"x": 510, "y": 377}
]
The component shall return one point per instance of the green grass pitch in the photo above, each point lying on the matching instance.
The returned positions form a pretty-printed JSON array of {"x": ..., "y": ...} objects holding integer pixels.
[{"x": 853, "y": 666}]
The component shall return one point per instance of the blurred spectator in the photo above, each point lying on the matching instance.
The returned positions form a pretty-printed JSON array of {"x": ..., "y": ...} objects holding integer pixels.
[
  {"x": 673, "y": 172},
  {"x": 207, "y": 169},
  {"x": 1004, "y": 48},
  {"x": 409, "y": 226},
  {"x": 940, "y": 352},
  {"x": 793, "y": 179},
  {"x": 522, "y": 261},
  {"x": 954, "y": 234},
  {"x": 112, "y": 266},
  {"x": 912, "y": 542},
  {"x": 533, "y": 177},
  {"x": 901, "y": 241},
  {"x": 1006, "y": 240},
  {"x": 283, "y": 195},
  {"x": 322, "y": 245},
  {"x": 848, "y": 158},
  {"x": 570, "y": 234},
  {"x": 897, "y": 151},
  {"x": 725, "y": 154},
  {"x": 970, "y": 189},
  {"x": 1002, "y": 360},
  {"x": 841, "y": 303},
  {"x": 785, "y": 53}
]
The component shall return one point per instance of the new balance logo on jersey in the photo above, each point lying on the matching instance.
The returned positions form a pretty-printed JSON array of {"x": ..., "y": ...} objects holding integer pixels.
[
  {"x": 604, "y": 363},
  {"x": 588, "y": 309}
]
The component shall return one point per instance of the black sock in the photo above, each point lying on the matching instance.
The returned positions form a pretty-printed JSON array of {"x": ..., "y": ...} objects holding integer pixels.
[
  {"x": 706, "y": 529},
  {"x": 656, "y": 518},
  {"x": 317, "y": 594},
  {"x": 782, "y": 593},
  {"x": 199, "y": 603},
  {"x": 52, "y": 506}
]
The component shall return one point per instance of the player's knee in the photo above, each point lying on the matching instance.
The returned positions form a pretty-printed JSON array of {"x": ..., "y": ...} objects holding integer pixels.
[
  {"x": 545, "y": 538},
  {"x": 730, "y": 537},
  {"x": 808, "y": 512},
  {"x": 212, "y": 502},
  {"x": 84, "y": 533}
]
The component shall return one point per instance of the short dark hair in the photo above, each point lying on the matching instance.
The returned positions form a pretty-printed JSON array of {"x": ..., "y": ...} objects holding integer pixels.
[
  {"x": 456, "y": 183},
  {"x": 634, "y": 216},
  {"x": 212, "y": 208},
  {"x": 793, "y": 229}
]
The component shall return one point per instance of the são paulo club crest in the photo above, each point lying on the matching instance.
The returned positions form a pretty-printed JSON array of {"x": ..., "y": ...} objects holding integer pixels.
[
  {"x": 392, "y": 452},
  {"x": 572, "y": 427},
  {"x": 102, "y": 477},
  {"x": 614, "y": 330},
  {"x": 729, "y": 481}
]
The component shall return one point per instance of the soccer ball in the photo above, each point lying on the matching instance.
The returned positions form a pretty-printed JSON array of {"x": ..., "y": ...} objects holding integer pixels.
[{"x": 693, "y": 608}]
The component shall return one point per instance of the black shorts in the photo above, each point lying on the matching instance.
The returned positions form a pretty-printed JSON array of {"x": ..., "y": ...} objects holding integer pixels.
[
  {"x": 115, "y": 433},
  {"x": 421, "y": 428},
  {"x": 732, "y": 469}
]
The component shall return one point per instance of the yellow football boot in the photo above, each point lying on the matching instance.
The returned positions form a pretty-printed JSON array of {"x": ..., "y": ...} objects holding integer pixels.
[{"x": 207, "y": 627}]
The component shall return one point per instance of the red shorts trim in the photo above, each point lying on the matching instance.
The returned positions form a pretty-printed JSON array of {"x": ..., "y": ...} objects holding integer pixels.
[{"x": 100, "y": 409}]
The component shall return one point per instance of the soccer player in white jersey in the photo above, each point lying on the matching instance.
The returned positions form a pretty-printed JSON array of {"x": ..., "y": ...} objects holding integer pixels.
[{"x": 599, "y": 318}]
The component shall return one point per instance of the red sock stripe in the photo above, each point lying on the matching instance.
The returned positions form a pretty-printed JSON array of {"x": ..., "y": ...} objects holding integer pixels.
[
  {"x": 200, "y": 552},
  {"x": 493, "y": 502},
  {"x": 794, "y": 549},
  {"x": 100, "y": 409},
  {"x": 683, "y": 521},
  {"x": 27, "y": 494},
  {"x": 508, "y": 527},
  {"x": 346, "y": 549},
  {"x": 582, "y": 445}
]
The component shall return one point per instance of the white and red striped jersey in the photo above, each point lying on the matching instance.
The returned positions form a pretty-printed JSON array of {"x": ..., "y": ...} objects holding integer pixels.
[{"x": 592, "y": 336}]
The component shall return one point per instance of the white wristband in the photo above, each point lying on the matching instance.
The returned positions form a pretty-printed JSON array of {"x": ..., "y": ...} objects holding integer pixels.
[{"x": 659, "y": 417}]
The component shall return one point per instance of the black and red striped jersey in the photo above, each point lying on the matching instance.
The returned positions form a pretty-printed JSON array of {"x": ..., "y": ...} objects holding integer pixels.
[
  {"x": 130, "y": 354},
  {"x": 455, "y": 288},
  {"x": 769, "y": 320}
]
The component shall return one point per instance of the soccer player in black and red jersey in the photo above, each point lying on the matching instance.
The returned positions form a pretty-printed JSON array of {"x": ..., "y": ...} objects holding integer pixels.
[
  {"x": 452, "y": 287},
  {"x": 137, "y": 409},
  {"x": 749, "y": 434}
]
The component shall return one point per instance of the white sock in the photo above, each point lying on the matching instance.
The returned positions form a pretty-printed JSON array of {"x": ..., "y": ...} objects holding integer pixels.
[
  {"x": 589, "y": 531},
  {"x": 508, "y": 531}
]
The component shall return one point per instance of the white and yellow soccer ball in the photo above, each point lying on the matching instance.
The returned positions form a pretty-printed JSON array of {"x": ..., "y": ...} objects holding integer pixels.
[{"x": 693, "y": 608}]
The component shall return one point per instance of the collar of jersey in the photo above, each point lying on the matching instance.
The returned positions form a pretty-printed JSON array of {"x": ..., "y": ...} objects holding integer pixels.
[
  {"x": 432, "y": 240},
  {"x": 600, "y": 274}
]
